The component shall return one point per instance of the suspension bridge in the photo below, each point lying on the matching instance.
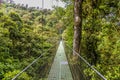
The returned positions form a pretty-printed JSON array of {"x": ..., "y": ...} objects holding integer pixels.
[{"x": 62, "y": 68}]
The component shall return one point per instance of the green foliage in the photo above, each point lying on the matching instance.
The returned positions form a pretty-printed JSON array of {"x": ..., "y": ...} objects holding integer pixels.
[
  {"x": 14, "y": 16},
  {"x": 21, "y": 37},
  {"x": 9, "y": 75},
  {"x": 68, "y": 35},
  {"x": 100, "y": 36},
  {"x": 22, "y": 41},
  {"x": 1, "y": 14}
]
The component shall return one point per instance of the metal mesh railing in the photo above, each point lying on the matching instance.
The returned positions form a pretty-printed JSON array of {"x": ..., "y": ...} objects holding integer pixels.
[
  {"x": 39, "y": 68},
  {"x": 80, "y": 68}
]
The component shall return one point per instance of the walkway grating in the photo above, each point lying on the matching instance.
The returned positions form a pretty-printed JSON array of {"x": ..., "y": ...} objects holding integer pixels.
[{"x": 60, "y": 69}]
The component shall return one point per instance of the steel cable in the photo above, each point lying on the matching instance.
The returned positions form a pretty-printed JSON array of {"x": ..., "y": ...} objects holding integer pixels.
[
  {"x": 32, "y": 63},
  {"x": 98, "y": 73}
]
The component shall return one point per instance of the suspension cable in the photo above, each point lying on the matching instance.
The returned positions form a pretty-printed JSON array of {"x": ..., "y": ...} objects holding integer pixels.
[
  {"x": 98, "y": 73},
  {"x": 32, "y": 62}
]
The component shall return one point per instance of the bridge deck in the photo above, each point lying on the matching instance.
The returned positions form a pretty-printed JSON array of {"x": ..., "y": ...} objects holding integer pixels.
[{"x": 60, "y": 69}]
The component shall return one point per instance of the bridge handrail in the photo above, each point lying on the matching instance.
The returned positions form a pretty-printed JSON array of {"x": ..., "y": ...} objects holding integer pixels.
[
  {"x": 32, "y": 63},
  {"x": 98, "y": 73}
]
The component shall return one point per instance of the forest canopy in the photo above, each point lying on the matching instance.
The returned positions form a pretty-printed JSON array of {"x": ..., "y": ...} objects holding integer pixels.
[{"x": 22, "y": 40}]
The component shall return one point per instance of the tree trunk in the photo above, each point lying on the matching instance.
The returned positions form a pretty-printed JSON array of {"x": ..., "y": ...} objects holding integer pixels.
[
  {"x": 77, "y": 25},
  {"x": 77, "y": 38}
]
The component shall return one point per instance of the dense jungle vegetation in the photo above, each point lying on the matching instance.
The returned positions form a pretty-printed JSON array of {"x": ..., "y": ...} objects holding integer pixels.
[
  {"x": 22, "y": 40},
  {"x": 100, "y": 44},
  {"x": 21, "y": 37}
]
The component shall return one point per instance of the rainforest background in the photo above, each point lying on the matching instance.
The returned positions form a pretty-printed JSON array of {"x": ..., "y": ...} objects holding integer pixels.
[{"x": 22, "y": 29}]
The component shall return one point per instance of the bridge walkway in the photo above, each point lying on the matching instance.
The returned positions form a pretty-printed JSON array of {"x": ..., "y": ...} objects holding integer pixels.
[{"x": 60, "y": 69}]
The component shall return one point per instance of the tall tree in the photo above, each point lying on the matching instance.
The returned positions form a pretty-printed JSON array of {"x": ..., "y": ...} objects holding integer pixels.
[
  {"x": 77, "y": 37},
  {"x": 77, "y": 25}
]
